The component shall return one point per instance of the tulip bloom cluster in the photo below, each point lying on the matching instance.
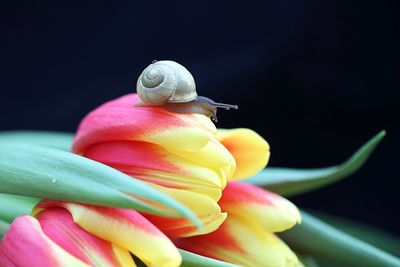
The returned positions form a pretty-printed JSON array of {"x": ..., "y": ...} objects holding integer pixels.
[{"x": 182, "y": 155}]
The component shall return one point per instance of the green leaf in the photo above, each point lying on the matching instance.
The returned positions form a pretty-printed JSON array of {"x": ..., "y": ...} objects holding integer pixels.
[
  {"x": 316, "y": 238},
  {"x": 308, "y": 261},
  {"x": 55, "y": 174},
  {"x": 190, "y": 259},
  {"x": 377, "y": 237},
  {"x": 12, "y": 206},
  {"x": 57, "y": 140},
  {"x": 290, "y": 182},
  {"x": 3, "y": 227},
  {"x": 194, "y": 260}
]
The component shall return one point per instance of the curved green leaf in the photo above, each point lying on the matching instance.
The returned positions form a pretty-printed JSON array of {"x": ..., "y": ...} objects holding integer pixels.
[
  {"x": 12, "y": 206},
  {"x": 190, "y": 259},
  {"x": 55, "y": 174},
  {"x": 314, "y": 237},
  {"x": 308, "y": 261},
  {"x": 374, "y": 236},
  {"x": 194, "y": 260},
  {"x": 3, "y": 227},
  {"x": 58, "y": 140},
  {"x": 289, "y": 182}
]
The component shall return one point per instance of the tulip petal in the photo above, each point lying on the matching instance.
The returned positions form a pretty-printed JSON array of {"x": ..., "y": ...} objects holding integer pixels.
[
  {"x": 120, "y": 119},
  {"x": 123, "y": 256},
  {"x": 243, "y": 242},
  {"x": 25, "y": 245},
  {"x": 249, "y": 149},
  {"x": 208, "y": 211},
  {"x": 273, "y": 212},
  {"x": 155, "y": 164},
  {"x": 125, "y": 228},
  {"x": 130, "y": 100},
  {"x": 214, "y": 155},
  {"x": 58, "y": 225}
]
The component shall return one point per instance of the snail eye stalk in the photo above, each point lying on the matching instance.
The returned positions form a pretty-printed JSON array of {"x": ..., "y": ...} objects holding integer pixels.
[{"x": 216, "y": 104}]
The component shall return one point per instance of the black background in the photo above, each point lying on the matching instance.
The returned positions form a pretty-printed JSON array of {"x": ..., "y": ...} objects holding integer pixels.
[{"x": 316, "y": 78}]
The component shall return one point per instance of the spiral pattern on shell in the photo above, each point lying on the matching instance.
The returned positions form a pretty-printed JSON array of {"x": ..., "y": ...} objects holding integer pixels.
[
  {"x": 166, "y": 81},
  {"x": 153, "y": 77}
]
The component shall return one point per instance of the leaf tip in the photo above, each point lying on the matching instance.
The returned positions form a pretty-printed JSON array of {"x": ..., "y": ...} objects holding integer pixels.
[{"x": 382, "y": 134}]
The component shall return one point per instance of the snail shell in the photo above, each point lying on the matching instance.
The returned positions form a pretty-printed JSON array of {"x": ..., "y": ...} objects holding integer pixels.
[
  {"x": 166, "y": 82},
  {"x": 170, "y": 85}
]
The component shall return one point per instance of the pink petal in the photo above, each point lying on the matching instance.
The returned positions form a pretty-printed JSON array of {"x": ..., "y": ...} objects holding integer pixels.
[
  {"x": 58, "y": 225},
  {"x": 25, "y": 245},
  {"x": 270, "y": 210}
]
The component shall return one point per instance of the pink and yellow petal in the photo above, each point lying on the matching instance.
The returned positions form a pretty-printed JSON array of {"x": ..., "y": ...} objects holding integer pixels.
[
  {"x": 123, "y": 256},
  {"x": 273, "y": 212},
  {"x": 249, "y": 149},
  {"x": 214, "y": 156},
  {"x": 120, "y": 119},
  {"x": 183, "y": 138},
  {"x": 58, "y": 225},
  {"x": 26, "y": 245},
  {"x": 171, "y": 180},
  {"x": 125, "y": 228},
  {"x": 132, "y": 100},
  {"x": 242, "y": 242},
  {"x": 132, "y": 154},
  {"x": 155, "y": 164},
  {"x": 208, "y": 211}
]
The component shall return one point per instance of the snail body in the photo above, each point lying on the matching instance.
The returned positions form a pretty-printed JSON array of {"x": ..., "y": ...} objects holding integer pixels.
[{"x": 170, "y": 85}]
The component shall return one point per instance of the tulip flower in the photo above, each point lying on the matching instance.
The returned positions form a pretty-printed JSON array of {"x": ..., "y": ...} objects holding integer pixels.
[
  {"x": 247, "y": 235},
  {"x": 69, "y": 234},
  {"x": 178, "y": 154},
  {"x": 186, "y": 157}
]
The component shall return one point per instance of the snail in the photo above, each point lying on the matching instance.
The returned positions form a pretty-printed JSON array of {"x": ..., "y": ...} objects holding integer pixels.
[{"x": 170, "y": 85}]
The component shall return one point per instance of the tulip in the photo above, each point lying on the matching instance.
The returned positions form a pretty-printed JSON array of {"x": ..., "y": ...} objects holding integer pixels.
[
  {"x": 185, "y": 156},
  {"x": 178, "y": 154},
  {"x": 70, "y": 234},
  {"x": 247, "y": 235}
]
